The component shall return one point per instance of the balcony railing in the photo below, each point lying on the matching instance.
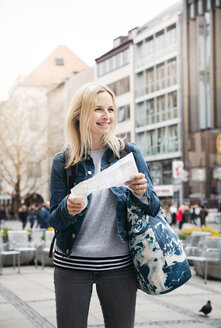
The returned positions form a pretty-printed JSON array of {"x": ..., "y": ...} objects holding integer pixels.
[
  {"x": 155, "y": 86},
  {"x": 151, "y": 58},
  {"x": 158, "y": 117},
  {"x": 161, "y": 148}
]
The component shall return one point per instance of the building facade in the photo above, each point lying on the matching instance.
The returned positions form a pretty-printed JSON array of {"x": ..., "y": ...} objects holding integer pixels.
[
  {"x": 202, "y": 100},
  {"x": 158, "y": 99},
  {"x": 29, "y": 130},
  {"x": 115, "y": 69}
]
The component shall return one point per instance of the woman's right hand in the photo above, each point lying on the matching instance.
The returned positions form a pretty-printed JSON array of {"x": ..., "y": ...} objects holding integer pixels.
[{"x": 74, "y": 205}]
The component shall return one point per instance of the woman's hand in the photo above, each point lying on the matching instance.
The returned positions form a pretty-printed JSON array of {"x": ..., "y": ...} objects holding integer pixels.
[
  {"x": 74, "y": 205},
  {"x": 138, "y": 183}
]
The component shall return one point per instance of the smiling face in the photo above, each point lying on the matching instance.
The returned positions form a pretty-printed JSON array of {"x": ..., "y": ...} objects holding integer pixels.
[{"x": 103, "y": 119}]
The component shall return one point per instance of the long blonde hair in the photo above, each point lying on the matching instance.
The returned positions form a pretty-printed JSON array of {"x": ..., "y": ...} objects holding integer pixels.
[{"x": 78, "y": 136}]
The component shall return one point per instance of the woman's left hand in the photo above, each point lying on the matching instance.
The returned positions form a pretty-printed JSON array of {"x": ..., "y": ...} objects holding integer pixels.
[{"x": 138, "y": 183}]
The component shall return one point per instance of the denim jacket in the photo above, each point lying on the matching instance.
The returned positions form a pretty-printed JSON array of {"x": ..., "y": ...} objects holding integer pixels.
[{"x": 68, "y": 226}]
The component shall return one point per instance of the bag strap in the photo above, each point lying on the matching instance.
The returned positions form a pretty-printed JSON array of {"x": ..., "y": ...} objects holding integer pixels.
[{"x": 70, "y": 174}]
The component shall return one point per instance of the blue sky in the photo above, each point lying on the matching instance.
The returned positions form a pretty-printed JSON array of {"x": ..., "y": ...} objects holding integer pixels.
[{"x": 31, "y": 29}]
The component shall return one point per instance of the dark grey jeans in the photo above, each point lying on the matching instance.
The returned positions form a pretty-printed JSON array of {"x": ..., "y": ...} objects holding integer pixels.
[{"x": 116, "y": 290}]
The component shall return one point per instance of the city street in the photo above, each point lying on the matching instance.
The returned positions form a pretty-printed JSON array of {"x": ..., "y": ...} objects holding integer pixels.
[{"x": 27, "y": 300}]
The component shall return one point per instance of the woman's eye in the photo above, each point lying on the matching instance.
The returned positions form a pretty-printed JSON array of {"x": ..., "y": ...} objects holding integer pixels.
[
  {"x": 97, "y": 108},
  {"x": 111, "y": 109}
]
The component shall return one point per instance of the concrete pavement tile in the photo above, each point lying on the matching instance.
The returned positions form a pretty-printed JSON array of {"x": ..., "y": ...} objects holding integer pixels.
[
  {"x": 46, "y": 309},
  {"x": 11, "y": 318},
  {"x": 27, "y": 289},
  {"x": 164, "y": 314},
  {"x": 2, "y": 300}
]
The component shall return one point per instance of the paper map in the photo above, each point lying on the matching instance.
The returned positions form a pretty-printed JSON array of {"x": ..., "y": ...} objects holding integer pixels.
[{"x": 114, "y": 176}]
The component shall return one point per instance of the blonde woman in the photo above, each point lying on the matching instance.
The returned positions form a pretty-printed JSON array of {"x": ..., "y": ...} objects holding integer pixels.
[{"x": 92, "y": 242}]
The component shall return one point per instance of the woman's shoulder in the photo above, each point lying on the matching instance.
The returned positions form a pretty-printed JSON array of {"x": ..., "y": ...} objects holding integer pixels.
[
  {"x": 58, "y": 159},
  {"x": 132, "y": 147}
]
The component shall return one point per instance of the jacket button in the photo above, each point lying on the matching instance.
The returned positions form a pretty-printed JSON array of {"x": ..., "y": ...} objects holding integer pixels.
[
  {"x": 89, "y": 172},
  {"x": 73, "y": 235}
]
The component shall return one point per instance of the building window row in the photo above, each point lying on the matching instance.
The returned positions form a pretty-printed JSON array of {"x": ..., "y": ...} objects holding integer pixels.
[
  {"x": 161, "y": 172},
  {"x": 114, "y": 62},
  {"x": 121, "y": 86},
  {"x": 157, "y": 109},
  {"x": 200, "y": 7},
  {"x": 156, "y": 78},
  {"x": 123, "y": 113},
  {"x": 159, "y": 141},
  {"x": 155, "y": 46}
]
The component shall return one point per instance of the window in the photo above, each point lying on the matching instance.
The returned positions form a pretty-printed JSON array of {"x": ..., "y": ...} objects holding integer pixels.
[
  {"x": 114, "y": 62},
  {"x": 172, "y": 138},
  {"x": 59, "y": 61},
  {"x": 192, "y": 11},
  {"x": 149, "y": 80},
  {"x": 160, "y": 115},
  {"x": 123, "y": 113},
  {"x": 140, "y": 114},
  {"x": 149, "y": 48},
  {"x": 200, "y": 8},
  {"x": 139, "y": 50},
  {"x": 218, "y": 3},
  {"x": 171, "y": 35},
  {"x": 172, "y": 105},
  {"x": 171, "y": 72},
  {"x": 150, "y": 118},
  {"x": 140, "y": 84},
  {"x": 160, "y": 76},
  {"x": 120, "y": 87},
  {"x": 159, "y": 41}
]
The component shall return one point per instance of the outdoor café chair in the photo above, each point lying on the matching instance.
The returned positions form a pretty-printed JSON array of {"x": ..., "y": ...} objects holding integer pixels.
[
  {"x": 46, "y": 245},
  {"x": 5, "y": 253},
  {"x": 18, "y": 241}
]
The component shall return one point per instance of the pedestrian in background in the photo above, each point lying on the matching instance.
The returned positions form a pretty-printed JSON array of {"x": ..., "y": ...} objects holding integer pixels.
[
  {"x": 167, "y": 212},
  {"x": 31, "y": 215},
  {"x": 179, "y": 216},
  {"x": 202, "y": 215},
  {"x": 23, "y": 215},
  {"x": 173, "y": 211},
  {"x": 92, "y": 242},
  {"x": 44, "y": 216}
]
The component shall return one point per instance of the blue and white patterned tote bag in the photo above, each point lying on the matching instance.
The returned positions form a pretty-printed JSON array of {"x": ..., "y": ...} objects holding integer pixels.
[{"x": 157, "y": 253}]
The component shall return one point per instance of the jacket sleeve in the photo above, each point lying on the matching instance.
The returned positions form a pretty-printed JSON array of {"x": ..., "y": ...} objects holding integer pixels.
[
  {"x": 59, "y": 219},
  {"x": 152, "y": 203}
]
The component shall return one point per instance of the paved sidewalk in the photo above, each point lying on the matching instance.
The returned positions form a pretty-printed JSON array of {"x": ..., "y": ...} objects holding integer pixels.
[{"x": 27, "y": 301}]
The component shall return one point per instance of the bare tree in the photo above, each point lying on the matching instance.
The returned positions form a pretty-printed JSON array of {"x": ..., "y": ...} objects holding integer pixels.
[{"x": 23, "y": 149}]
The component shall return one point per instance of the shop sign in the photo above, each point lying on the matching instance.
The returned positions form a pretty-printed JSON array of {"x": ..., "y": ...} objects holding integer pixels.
[
  {"x": 218, "y": 143},
  {"x": 198, "y": 174},
  {"x": 177, "y": 169},
  {"x": 164, "y": 190},
  {"x": 217, "y": 173}
]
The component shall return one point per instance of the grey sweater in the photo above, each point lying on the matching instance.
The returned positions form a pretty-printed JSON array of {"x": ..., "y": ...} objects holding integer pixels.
[{"x": 98, "y": 236}]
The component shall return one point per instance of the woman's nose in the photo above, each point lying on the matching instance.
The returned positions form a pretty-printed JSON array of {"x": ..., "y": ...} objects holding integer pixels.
[{"x": 105, "y": 113}]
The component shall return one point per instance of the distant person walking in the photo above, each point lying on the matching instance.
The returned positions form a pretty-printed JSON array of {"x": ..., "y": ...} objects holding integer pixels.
[
  {"x": 23, "y": 215},
  {"x": 31, "y": 215},
  {"x": 173, "y": 211},
  {"x": 202, "y": 215},
  {"x": 44, "y": 216},
  {"x": 179, "y": 216}
]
